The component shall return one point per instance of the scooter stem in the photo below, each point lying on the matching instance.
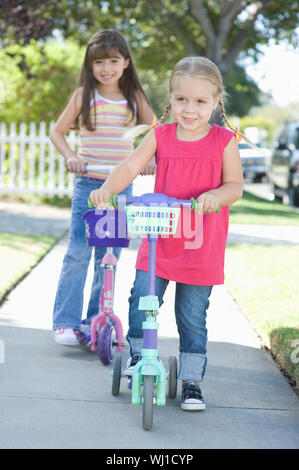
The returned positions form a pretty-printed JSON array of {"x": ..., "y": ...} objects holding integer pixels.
[{"x": 152, "y": 240}]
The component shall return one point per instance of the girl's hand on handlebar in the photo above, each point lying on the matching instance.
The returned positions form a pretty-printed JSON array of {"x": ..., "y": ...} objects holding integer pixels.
[
  {"x": 209, "y": 202},
  {"x": 100, "y": 198},
  {"x": 75, "y": 164}
]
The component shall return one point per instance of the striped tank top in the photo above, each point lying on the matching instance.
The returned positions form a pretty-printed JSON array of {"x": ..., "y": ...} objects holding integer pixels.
[{"x": 104, "y": 145}]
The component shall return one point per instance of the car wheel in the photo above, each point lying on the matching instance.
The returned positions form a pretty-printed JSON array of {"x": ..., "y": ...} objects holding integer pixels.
[
  {"x": 257, "y": 179},
  {"x": 274, "y": 191},
  {"x": 293, "y": 194}
]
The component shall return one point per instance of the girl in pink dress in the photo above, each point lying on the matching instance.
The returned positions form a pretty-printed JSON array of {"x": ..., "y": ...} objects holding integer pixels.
[{"x": 194, "y": 159}]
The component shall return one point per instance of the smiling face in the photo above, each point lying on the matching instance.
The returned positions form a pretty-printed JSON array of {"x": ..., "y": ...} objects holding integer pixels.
[
  {"x": 192, "y": 102},
  {"x": 108, "y": 70}
]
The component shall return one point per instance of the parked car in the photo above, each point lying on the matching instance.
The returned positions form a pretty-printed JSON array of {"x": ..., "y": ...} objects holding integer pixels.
[
  {"x": 283, "y": 169},
  {"x": 254, "y": 162}
]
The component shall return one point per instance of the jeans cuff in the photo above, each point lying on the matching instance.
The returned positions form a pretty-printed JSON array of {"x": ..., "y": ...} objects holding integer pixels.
[
  {"x": 192, "y": 366},
  {"x": 135, "y": 345}
]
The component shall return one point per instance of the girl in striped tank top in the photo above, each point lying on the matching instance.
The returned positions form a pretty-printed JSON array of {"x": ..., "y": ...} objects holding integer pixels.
[{"x": 109, "y": 100}]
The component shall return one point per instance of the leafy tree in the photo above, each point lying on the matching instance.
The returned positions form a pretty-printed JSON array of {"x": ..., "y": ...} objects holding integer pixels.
[
  {"x": 54, "y": 71},
  {"x": 23, "y": 20},
  {"x": 161, "y": 32},
  {"x": 242, "y": 92},
  {"x": 260, "y": 121}
]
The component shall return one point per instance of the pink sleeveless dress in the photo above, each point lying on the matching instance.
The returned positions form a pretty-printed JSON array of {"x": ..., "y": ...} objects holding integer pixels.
[{"x": 185, "y": 170}]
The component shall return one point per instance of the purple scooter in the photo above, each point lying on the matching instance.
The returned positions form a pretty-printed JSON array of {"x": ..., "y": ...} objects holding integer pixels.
[{"x": 155, "y": 215}]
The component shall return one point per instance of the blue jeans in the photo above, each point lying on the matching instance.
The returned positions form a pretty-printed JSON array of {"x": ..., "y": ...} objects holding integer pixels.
[
  {"x": 191, "y": 304},
  {"x": 69, "y": 297}
]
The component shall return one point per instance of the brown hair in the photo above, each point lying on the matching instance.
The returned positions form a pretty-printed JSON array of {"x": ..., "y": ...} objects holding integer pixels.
[{"x": 105, "y": 44}]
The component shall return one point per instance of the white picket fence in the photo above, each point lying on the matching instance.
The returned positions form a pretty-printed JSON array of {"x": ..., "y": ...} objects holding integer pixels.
[{"x": 29, "y": 163}]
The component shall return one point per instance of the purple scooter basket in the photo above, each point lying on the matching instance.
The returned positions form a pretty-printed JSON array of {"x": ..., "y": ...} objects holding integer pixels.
[{"x": 106, "y": 228}]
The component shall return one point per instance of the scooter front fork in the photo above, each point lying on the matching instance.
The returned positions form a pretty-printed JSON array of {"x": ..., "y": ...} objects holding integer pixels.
[
  {"x": 149, "y": 364},
  {"x": 106, "y": 302}
]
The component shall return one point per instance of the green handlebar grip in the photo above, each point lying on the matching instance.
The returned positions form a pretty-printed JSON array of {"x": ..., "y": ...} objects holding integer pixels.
[
  {"x": 195, "y": 205},
  {"x": 112, "y": 201}
]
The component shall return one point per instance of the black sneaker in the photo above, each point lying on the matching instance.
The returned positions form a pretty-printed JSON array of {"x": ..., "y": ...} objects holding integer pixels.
[
  {"x": 192, "y": 399},
  {"x": 131, "y": 363}
]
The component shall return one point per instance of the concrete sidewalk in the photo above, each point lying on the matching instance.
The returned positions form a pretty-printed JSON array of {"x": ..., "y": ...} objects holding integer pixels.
[{"x": 60, "y": 397}]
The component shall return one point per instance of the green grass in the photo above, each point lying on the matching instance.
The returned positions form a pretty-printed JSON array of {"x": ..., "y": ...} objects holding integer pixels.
[
  {"x": 55, "y": 201},
  {"x": 254, "y": 210},
  {"x": 19, "y": 254},
  {"x": 264, "y": 280}
]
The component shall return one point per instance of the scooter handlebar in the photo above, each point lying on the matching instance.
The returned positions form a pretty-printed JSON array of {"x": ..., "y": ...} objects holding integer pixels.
[{"x": 154, "y": 199}]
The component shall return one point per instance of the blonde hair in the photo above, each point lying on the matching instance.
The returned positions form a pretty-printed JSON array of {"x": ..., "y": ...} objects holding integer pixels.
[{"x": 198, "y": 67}]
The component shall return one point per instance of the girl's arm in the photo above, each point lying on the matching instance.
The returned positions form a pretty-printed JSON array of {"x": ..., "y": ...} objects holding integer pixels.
[
  {"x": 126, "y": 172},
  {"x": 62, "y": 126},
  {"x": 232, "y": 181},
  {"x": 146, "y": 116},
  {"x": 145, "y": 112}
]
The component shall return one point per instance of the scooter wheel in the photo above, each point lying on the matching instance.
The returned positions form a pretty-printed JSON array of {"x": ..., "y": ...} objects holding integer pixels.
[
  {"x": 172, "y": 377},
  {"x": 107, "y": 343},
  {"x": 148, "y": 402},
  {"x": 116, "y": 374}
]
